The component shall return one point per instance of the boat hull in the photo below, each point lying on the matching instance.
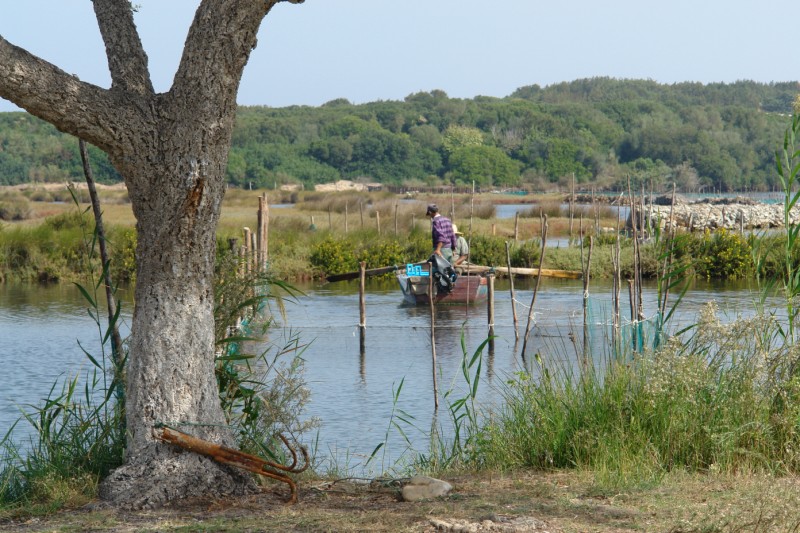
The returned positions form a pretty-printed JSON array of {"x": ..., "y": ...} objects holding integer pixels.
[{"x": 467, "y": 290}]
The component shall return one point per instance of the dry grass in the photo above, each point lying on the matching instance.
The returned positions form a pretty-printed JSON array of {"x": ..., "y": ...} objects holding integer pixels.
[
  {"x": 240, "y": 209},
  {"x": 566, "y": 502}
]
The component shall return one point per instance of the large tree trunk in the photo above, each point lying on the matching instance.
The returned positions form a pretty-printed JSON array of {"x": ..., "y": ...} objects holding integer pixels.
[
  {"x": 172, "y": 151},
  {"x": 171, "y": 378}
]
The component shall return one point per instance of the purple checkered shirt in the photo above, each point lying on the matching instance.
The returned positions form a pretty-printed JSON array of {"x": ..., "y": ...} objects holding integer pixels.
[{"x": 442, "y": 231}]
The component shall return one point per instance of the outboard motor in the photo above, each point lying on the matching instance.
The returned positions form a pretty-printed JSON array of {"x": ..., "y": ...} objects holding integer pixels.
[{"x": 444, "y": 275}]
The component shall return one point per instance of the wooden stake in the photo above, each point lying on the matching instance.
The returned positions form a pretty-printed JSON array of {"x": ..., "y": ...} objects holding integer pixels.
[
  {"x": 513, "y": 299},
  {"x": 632, "y": 297},
  {"x": 516, "y": 226},
  {"x": 617, "y": 282},
  {"x": 254, "y": 254},
  {"x": 586, "y": 277},
  {"x": 571, "y": 207},
  {"x": 248, "y": 249},
  {"x": 490, "y": 303},
  {"x": 362, "y": 304},
  {"x": 431, "y": 299},
  {"x": 535, "y": 290},
  {"x": 265, "y": 233}
]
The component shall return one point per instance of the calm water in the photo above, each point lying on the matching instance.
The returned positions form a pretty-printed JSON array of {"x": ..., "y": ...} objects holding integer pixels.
[{"x": 352, "y": 393}]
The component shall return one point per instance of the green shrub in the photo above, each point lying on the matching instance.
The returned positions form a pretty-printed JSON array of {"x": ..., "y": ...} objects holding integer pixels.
[
  {"x": 123, "y": 254},
  {"x": 69, "y": 220},
  {"x": 722, "y": 254},
  {"x": 17, "y": 208},
  {"x": 526, "y": 254},
  {"x": 39, "y": 195},
  {"x": 487, "y": 250},
  {"x": 383, "y": 253},
  {"x": 333, "y": 256},
  {"x": 418, "y": 247}
]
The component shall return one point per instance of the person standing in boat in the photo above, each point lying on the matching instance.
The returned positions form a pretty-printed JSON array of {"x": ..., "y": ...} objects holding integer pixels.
[
  {"x": 442, "y": 235},
  {"x": 461, "y": 250}
]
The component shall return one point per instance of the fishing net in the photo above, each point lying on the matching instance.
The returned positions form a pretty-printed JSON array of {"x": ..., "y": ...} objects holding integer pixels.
[{"x": 633, "y": 336}]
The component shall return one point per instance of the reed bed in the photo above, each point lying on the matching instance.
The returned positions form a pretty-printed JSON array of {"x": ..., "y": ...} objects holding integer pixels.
[{"x": 723, "y": 400}]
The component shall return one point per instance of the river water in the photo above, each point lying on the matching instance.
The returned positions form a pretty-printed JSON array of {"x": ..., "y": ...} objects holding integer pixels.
[{"x": 352, "y": 393}]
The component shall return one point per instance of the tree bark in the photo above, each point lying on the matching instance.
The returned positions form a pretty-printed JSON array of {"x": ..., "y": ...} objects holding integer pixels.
[{"x": 172, "y": 151}]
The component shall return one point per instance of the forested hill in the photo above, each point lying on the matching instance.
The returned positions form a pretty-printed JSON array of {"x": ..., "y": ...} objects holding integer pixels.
[{"x": 602, "y": 130}]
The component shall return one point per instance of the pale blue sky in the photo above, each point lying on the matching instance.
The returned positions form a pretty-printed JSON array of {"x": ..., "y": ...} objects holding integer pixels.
[{"x": 367, "y": 50}]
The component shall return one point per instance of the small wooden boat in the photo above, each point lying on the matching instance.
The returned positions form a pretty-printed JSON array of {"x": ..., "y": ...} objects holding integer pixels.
[{"x": 467, "y": 289}]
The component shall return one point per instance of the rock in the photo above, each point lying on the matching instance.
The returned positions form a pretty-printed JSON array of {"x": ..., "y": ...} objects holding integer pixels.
[
  {"x": 700, "y": 216},
  {"x": 666, "y": 199},
  {"x": 425, "y": 488},
  {"x": 503, "y": 524}
]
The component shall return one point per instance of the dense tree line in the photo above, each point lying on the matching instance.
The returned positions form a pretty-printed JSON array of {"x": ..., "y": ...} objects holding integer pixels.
[{"x": 601, "y": 130}]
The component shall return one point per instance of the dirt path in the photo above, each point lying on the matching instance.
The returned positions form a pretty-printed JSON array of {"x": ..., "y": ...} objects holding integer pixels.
[{"x": 529, "y": 502}]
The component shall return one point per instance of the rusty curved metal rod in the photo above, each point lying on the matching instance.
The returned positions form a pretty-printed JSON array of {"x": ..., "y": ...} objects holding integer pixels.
[{"x": 246, "y": 461}]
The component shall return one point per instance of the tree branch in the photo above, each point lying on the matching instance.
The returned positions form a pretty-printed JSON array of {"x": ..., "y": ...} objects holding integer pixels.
[
  {"x": 127, "y": 60},
  {"x": 75, "y": 107},
  {"x": 220, "y": 40}
]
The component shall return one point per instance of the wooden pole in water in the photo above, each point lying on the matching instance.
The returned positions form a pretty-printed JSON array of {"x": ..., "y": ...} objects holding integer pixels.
[
  {"x": 247, "y": 249},
  {"x": 254, "y": 255},
  {"x": 516, "y": 226},
  {"x": 471, "y": 208},
  {"x": 632, "y": 297},
  {"x": 535, "y": 290},
  {"x": 571, "y": 208},
  {"x": 635, "y": 225},
  {"x": 243, "y": 258},
  {"x": 513, "y": 300},
  {"x": 263, "y": 225},
  {"x": 431, "y": 299},
  {"x": 362, "y": 304},
  {"x": 490, "y": 303},
  {"x": 586, "y": 277},
  {"x": 617, "y": 281},
  {"x": 541, "y": 220},
  {"x": 665, "y": 276}
]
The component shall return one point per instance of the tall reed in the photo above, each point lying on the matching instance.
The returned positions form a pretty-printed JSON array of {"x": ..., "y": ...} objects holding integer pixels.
[{"x": 78, "y": 432}]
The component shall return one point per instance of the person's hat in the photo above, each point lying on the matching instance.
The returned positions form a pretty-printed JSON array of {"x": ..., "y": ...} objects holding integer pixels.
[
  {"x": 432, "y": 208},
  {"x": 455, "y": 230}
]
